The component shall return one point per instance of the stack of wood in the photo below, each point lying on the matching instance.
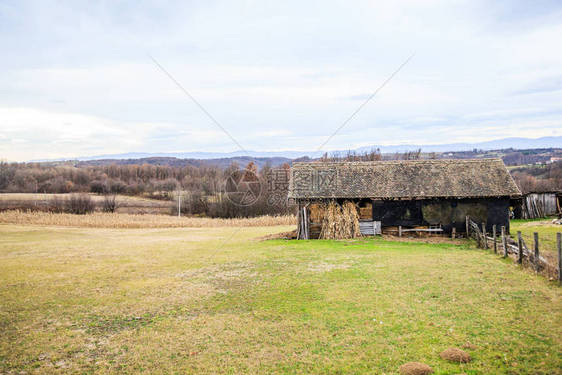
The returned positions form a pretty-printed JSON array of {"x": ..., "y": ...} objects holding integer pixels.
[{"x": 366, "y": 212}]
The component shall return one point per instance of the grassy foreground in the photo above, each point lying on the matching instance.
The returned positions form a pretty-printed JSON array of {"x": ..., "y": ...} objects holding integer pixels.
[{"x": 215, "y": 300}]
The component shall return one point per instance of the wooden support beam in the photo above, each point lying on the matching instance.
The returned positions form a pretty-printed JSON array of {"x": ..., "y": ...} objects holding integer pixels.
[
  {"x": 559, "y": 245},
  {"x": 519, "y": 248},
  {"x": 494, "y": 236},
  {"x": 305, "y": 217},
  {"x": 467, "y": 233},
  {"x": 504, "y": 242},
  {"x": 436, "y": 230},
  {"x": 484, "y": 239},
  {"x": 400, "y": 231},
  {"x": 453, "y": 233},
  {"x": 299, "y": 223},
  {"x": 536, "y": 258}
]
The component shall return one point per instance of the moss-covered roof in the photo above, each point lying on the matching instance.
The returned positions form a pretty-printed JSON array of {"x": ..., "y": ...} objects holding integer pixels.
[{"x": 405, "y": 179}]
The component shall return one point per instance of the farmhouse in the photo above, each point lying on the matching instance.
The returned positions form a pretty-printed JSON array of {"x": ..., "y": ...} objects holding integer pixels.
[{"x": 411, "y": 194}]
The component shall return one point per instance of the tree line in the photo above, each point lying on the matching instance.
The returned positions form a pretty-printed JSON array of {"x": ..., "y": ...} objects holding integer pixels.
[
  {"x": 120, "y": 179},
  {"x": 539, "y": 178},
  {"x": 200, "y": 190}
]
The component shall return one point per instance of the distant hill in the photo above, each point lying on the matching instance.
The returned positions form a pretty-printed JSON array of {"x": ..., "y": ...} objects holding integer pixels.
[
  {"x": 176, "y": 162},
  {"x": 498, "y": 144},
  {"x": 510, "y": 157},
  {"x": 278, "y": 156}
]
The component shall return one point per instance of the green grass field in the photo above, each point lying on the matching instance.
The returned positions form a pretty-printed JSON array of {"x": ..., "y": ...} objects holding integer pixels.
[
  {"x": 216, "y": 300},
  {"x": 547, "y": 234}
]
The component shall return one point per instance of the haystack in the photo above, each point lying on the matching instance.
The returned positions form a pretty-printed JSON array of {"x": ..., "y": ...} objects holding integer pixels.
[
  {"x": 339, "y": 222},
  {"x": 455, "y": 355},
  {"x": 415, "y": 368}
]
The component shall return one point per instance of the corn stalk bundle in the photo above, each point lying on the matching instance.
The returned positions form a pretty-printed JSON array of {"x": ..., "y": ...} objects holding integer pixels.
[
  {"x": 351, "y": 216},
  {"x": 340, "y": 222}
]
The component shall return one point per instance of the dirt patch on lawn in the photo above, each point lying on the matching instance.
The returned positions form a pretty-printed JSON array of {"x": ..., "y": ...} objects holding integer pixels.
[
  {"x": 435, "y": 239},
  {"x": 468, "y": 345},
  {"x": 222, "y": 272},
  {"x": 292, "y": 235},
  {"x": 327, "y": 267},
  {"x": 546, "y": 223},
  {"x": 415, "y": 368}
]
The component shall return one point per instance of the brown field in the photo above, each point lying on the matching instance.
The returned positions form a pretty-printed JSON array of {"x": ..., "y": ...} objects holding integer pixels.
[
  {"x": 126, "y": 204},
  {"x": 117, "y": 220}
]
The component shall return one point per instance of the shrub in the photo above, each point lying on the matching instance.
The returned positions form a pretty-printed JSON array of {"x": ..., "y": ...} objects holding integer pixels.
[
  {"x": 98, "y": 187},
  {"x": 110, "y": 203},
  {"x": 57, "y": 204},
  {"x": 116, "y": 186},
  {"x": 80, "y": 204}
]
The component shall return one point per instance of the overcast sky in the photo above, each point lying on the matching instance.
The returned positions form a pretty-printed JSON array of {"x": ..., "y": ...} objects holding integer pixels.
[{"x": 76, "y": 77}]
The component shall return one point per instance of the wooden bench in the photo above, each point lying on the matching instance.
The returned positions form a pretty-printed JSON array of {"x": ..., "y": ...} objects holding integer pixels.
[{"x": 430, "y": 230}]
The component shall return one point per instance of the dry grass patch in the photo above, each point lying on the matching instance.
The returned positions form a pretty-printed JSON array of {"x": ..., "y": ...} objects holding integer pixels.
[
  {"x": 327, "y": 267},
  {"x": 116, "y": 220}
]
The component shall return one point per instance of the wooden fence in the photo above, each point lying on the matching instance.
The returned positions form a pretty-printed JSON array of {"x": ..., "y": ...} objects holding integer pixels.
[{"x": 505, "y": 245}]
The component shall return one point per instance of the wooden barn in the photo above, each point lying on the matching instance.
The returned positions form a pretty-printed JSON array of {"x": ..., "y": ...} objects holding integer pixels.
[{"x": 432, "y": 194}]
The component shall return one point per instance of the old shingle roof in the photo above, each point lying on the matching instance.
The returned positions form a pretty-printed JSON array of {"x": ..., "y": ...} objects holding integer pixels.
[{"x": 406, "y": 179}]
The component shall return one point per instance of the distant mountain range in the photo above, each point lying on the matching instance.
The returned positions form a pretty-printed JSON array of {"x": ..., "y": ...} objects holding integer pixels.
[
  {"x": 498, "y": 144},
  {"x": 182, "y": 162}
]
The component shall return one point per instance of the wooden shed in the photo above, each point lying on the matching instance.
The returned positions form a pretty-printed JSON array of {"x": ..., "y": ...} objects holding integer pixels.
[
  {"x": 539, "y": 204},
  {"x": 406, "y": 193}
]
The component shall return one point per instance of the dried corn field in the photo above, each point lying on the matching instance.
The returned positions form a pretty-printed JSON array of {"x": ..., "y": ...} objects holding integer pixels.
[{"x": 116, "y": 220}]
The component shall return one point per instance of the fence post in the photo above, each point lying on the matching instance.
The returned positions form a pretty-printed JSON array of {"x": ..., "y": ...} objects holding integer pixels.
[
  {"x": 467, "y": 233},
  {"x": 453, "y": 233},
  {"x": 504, "y": 242},
  {"x": 400, "y": 231},
  {"x": 494, "y": 235},
  {"x": 519, "y": 248},
  {"x": 484, "y": 236},
  {"x": 536, "y": 257},
  {"x": 559, "y": 245}
]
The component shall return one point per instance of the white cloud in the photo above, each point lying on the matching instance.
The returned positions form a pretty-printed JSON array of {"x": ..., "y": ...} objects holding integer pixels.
[
  {"x": 278, "y": 75},
  {"x": 39, "y": 134}
]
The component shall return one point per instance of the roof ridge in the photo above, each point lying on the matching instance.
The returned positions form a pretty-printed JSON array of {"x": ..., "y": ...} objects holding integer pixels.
[{"x": 484, "y": 177}]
